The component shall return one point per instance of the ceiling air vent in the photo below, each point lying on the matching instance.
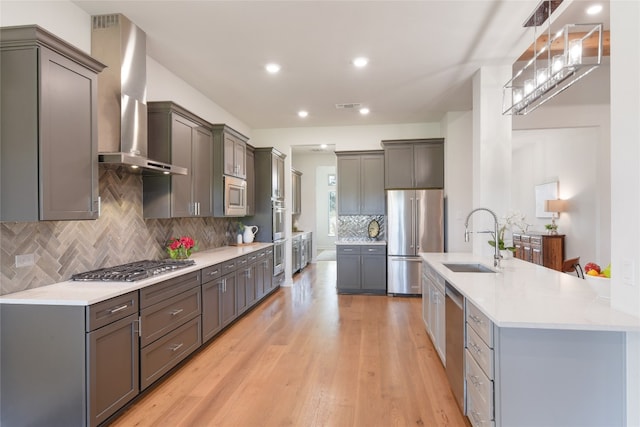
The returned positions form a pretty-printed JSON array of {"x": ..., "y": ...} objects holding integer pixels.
[{"x": 351, "y": 106}]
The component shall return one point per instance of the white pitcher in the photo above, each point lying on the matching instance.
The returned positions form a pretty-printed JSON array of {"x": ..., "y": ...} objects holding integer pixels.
[{"x": 249, "y": 233}]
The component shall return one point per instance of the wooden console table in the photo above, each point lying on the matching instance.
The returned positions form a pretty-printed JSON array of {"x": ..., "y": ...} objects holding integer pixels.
[{"x": 541, "y": 249}]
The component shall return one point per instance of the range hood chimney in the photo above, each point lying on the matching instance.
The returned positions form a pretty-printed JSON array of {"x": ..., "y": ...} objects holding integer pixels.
[{"x": 122, "y": 94}]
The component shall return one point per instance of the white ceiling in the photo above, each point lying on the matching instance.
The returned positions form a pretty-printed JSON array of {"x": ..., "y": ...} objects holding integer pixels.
[{"x": 422, "y": 54}]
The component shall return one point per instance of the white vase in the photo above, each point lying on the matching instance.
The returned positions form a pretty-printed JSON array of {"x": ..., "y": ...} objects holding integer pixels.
[{"x": 249, "y": 233}]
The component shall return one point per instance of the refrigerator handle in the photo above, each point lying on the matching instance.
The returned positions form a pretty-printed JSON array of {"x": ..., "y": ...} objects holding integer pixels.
[
  {"x": 417, "y": 222},
  {"x": 413, "y": 224}
]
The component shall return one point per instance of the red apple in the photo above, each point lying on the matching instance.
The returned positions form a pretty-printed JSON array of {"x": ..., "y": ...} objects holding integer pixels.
[{"x": 591, "y": 266}]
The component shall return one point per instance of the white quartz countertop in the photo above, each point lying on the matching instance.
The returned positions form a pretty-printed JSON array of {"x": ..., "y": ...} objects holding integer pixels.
[
  {"x": 361, "y": 242},
  {"x": 87, "y": 293},
  {"x": 525, "y": 295}
]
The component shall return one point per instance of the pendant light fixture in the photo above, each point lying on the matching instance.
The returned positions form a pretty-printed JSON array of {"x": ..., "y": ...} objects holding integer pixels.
[{"x": 558, "y": 60}]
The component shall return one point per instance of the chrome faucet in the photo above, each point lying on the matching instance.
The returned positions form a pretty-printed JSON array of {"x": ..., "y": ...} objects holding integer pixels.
[{"x": 496, "y": 256}]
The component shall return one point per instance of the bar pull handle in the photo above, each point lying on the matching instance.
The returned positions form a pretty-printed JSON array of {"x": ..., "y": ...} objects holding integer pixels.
[{"x": 117, "y": 309}]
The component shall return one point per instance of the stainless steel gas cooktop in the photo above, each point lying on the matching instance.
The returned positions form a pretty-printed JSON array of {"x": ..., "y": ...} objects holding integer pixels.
[{"x": 133, "y": 271}]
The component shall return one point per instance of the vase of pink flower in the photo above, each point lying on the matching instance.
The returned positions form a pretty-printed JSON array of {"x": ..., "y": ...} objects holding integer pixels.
[{"x": 181, "y": 248}]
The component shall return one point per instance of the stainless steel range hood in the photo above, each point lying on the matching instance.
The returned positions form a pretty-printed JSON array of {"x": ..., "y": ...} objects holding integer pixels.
[{"x": 122, "y": 95}]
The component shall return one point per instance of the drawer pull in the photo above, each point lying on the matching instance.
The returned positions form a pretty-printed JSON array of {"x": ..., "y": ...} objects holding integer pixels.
[
  {"x": 348, "y": 250},
  {"x": 117, "y": 309},
  {"x": 371, "y": 250},
  {"x": 213, "y": 273},
  {"x": 475, "y": 380},
  {"x": 176, "y": 347},
  {"x": 475, "y": 348},
  {"x": 476, "y": 319},
  {"x": 176, "y": 312}
]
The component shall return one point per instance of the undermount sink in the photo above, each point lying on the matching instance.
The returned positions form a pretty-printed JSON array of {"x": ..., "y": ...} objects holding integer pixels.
[{"x": 468, "y": 268}]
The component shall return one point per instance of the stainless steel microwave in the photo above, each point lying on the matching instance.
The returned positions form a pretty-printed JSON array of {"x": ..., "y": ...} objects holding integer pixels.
[{"x": 235, "y": 196}]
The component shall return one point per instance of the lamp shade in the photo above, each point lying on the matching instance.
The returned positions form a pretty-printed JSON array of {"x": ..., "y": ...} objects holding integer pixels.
[{"x": 555, "y": 206}]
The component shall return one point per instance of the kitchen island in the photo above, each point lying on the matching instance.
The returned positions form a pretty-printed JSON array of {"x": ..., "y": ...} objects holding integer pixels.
[{"x": 540, "y": 347}]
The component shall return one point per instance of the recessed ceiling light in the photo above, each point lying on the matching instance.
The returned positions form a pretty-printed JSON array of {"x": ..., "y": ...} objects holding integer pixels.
[
  {"x": 302, "y": 113},
  {"x": 360, "y": 61},
  {"x": 594, "y": 10},
  {"x": 272, "y": 68},
  {"x": 364, "y": 111},
  {"x": 323, "y": 146}
]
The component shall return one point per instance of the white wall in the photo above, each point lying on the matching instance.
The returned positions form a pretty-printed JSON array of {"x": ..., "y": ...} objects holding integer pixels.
[
  {"x": 69, "y": 22},
  {"x": 567, "y": 156},
  {"x": 458, "y": 180},
  {"x": 314, "y": 217}
]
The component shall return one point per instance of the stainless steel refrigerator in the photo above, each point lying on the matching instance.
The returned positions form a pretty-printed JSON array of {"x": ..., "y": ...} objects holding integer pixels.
[{"x": 415, "y": 223}]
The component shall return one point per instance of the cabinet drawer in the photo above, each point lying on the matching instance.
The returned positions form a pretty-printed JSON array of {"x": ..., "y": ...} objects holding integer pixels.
[
  {"x": 478, "y": 380},
  {"x": 253, "y": 256},
  {"x": 480, "y": 352},
  {"x": 162, "y": 355},
  {"x": 241, "y": 262},
  {"x": 211, "y": 273},
  {"x": 161, "y": 291},
  {"x": 374, "y": 250},
  {"x": 229, "y": 266},
  {"x": 348, "y": 249},
  {"x": 475, "y": 411},
  {"x": 525, "y": 238},
  {"x": 480, "y": 323},
  {"x": 105, "y": 312},
  {"x": 536, "y": 240},
  {"x": 161, "y": 318}
]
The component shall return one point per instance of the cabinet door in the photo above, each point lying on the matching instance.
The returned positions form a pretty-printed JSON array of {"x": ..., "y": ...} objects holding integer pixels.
[
  {"x": 113, "y": 368},
  {"x": 374, "y": 272},
  {"x": 228, "y": 304},
  {"x": 269, "y": 282},
  {"x": 277, "y": 170},
  {"x": 428, "y": 161},
  {"x": 251, "y": 182},
  {"x": 181, "y": 153},
  {"x": 203, "y": 171},
  {"x": 372, "y": 185},
  {"x": 536, "y": 254},
  {"x": 348, "y": 271},
  {"x": 239, "y": 157},
  {"x": 68, "y": 139},
  {"x": 398, "y": 167},
  {"x": 241, "y": 289},
  {"x": 211, "y": 315},
  {"x": 228, "y": 153},
  {"x": 348, "y": 185}
]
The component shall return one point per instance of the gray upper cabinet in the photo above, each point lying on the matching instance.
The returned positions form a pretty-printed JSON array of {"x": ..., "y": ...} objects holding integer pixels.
[
  {"x": 414, "y": 163},
  {"x": 361, "y": 183},
  {"x": 251, "y": 181},
  {"x": 233, "y": 151},
  {"x": 48, "y": 140},
  {"x": 177, "y": 136},
  {"x": 296, "y": 188},
  {"x": 277, "y": 181},
  {"x": 229, "y": 159}
]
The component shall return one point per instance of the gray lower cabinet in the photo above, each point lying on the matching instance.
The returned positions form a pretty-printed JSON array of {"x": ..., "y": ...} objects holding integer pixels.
[
  {"x": 361, "y": 269},
  {"x": 361, "y": 183},
  {"x": 68, "y": 365},
  {"x": 296, "y": 253},
  {"x": 414, "y": 164},
  {"x": 48, "y": 128},
  {"x": 169, "y": 325},
  {"x": 181, "y": 138}
]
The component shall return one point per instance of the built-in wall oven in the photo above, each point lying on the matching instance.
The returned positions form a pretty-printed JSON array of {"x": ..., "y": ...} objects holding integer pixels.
[
  {"x": 278, "y": 220},
  {"x": 278, "y": 257},
  {"x": 235, "y": 196}
]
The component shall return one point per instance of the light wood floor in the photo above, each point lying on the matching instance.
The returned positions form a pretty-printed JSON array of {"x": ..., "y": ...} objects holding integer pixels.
[{"x": 309, "y": 357}]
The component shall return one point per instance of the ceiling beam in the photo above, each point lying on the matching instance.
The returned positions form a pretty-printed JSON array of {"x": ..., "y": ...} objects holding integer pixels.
[{"x": 589, "y": 46}]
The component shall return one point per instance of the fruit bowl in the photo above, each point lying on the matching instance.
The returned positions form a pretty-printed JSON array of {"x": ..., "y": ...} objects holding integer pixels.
[{"x": 601, "y": 285}]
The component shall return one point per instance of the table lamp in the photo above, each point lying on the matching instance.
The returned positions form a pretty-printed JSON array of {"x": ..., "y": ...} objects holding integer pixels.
[{"x": 555, "y": 207}]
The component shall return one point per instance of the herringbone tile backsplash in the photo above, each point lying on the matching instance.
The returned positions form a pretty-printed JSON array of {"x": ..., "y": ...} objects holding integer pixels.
[{"x": 120, "y": 235}]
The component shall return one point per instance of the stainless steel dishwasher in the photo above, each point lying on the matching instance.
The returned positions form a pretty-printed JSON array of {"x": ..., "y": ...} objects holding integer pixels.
[{"x": 454, "y": 347}]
